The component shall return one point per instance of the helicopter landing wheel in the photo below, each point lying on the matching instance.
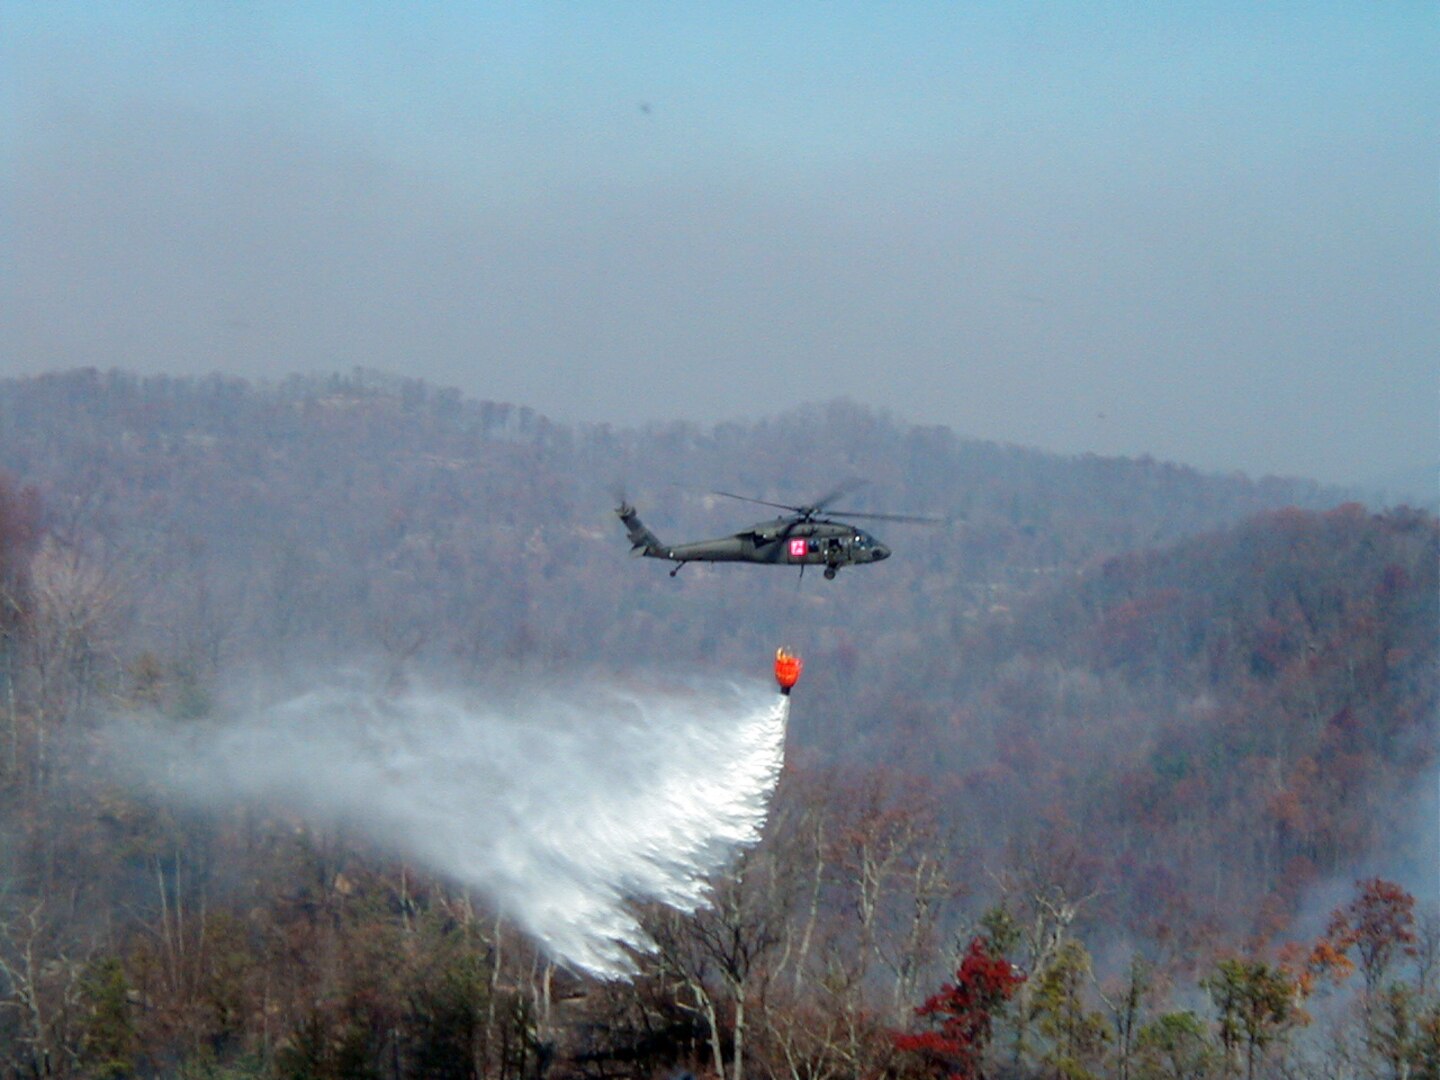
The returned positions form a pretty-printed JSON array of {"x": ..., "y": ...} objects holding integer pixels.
[{"x": 829, "y": 573}]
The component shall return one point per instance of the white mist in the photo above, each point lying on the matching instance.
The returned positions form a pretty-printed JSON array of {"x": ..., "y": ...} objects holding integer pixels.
[{"x": 557, "y": 806}]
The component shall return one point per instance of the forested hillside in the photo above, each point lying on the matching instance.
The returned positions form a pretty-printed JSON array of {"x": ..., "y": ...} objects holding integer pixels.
[
  {"x": 1239, "y": 716},
  {"x": 1131, "y": 728},
  {"x": 304, "y": 514}
]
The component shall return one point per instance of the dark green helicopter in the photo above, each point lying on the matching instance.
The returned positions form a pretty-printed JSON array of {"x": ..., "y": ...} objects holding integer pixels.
[{"x": 805, "y": 538}]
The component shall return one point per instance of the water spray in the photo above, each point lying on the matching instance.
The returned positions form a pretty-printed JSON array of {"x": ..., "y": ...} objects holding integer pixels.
[{"x": 560, "y": 806}]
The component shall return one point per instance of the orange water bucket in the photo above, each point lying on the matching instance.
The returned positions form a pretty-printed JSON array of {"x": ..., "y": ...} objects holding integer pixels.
[{"x": 787, "y": 669}]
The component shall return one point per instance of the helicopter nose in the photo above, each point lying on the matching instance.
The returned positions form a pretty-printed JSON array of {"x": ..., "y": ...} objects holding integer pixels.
[{"x": 880, "y": 552}]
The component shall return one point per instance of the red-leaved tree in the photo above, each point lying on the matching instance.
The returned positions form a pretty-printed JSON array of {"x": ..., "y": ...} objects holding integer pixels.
[
  {"x": 1378, "y": 926},
  {"x": 966, "y": 1011}
]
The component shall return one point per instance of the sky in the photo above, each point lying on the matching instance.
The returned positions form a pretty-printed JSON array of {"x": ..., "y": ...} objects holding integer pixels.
[{"x": 1205, "y": 232}]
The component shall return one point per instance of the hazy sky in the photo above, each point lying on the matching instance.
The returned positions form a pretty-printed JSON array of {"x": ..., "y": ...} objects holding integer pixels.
[{"x": 1209, "y": 232}]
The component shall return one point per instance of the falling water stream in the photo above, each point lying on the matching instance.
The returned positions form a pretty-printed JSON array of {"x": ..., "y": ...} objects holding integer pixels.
[{"x": 558, "y": 806}]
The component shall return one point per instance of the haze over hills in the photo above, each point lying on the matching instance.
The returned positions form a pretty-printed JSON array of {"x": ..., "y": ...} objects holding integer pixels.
[
  {"x": 340, "y": 739},
  {"x": 1194, "y": 705},
  {"x": 312, "y": 510},
  {"x": 1417, "y": 487}
]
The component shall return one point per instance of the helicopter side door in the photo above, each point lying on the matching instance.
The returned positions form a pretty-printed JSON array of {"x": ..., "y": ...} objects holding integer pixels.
[{"x": 818, "y": 550}]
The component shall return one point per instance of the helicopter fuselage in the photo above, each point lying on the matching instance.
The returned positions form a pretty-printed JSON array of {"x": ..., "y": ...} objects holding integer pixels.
[
  {"x": 815, "y": 543},
  {"x": 782, "y": 542}
]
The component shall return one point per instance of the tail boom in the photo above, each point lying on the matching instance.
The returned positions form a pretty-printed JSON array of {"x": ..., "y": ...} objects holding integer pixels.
[{"x": 642, "y": 540}]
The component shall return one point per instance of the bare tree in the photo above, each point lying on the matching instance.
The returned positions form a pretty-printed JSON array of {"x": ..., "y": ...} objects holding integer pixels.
[
  {"x": 720, "y": 956},
  {"x": 71, "y": 648},
  {"x": 41, "y": 993}
]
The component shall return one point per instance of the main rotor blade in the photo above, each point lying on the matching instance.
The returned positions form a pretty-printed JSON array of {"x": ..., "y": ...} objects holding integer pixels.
[
  {"x": 912, "y": 519},
  {"x": 844, "y": 489},
  {"x": 820, "y": 504},
  {"x": 762, "y": 502}
]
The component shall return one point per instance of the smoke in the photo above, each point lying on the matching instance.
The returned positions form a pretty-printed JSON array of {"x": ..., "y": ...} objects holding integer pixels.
[{"x": 557, "y": 806}]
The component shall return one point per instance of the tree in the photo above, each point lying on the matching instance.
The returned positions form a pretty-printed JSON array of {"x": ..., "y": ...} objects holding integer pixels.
[
  {"x": 1077, "y": 1035},
  {"x": 1256, "y": 1004},
  {"x": 1042, "y": 896},
  {"x": 966, "y": 1010},
  {"x": 40, "y": 992},
  {"x": 890, "y": 857},
  {"x": 71, "y": 641},
  {"x": 1176, "y": 1046},
  {"x": 1378, "y": 926},
  {"x": 718, "y": 954},
  {"x": 1125, "y": 1004},
  {"x": 19, "y": 535},
  {"x": 109, "y": 1043}
]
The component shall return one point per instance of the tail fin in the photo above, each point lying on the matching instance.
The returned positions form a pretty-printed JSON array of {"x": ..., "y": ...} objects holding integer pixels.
[{"x": 642, "y": 540}]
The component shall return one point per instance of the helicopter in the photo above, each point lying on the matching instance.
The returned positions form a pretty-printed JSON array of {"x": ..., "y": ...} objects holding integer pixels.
[{"x": 807, "y": 537}]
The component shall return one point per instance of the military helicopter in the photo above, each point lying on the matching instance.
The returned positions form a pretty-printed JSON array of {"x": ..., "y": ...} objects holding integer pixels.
[{"x": 805, "y": 538}]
